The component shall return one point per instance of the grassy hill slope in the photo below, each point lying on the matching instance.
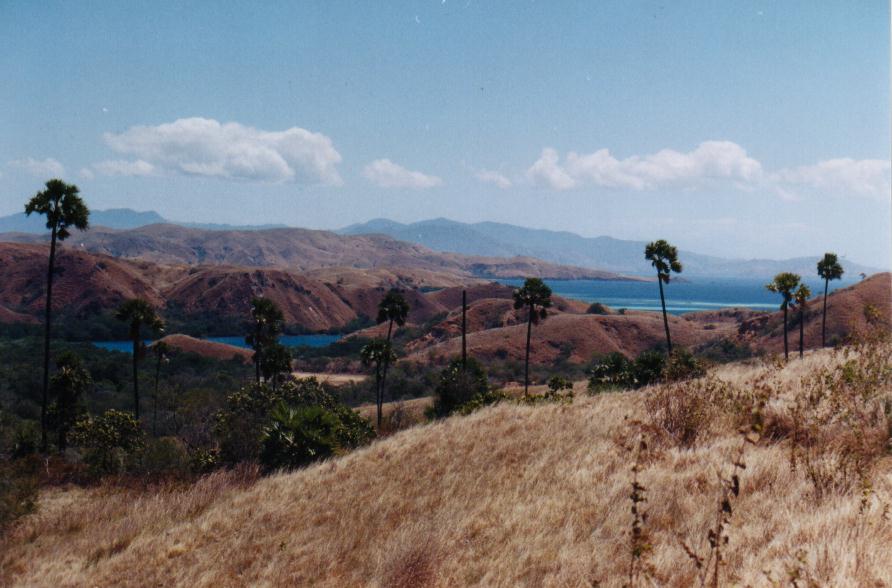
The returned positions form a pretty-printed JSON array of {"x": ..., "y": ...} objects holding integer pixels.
[{"x": 517, "y": 495}]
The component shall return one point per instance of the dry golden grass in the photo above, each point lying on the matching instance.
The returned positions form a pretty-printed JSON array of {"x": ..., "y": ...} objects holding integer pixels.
[{"x": 512, "y": 495}]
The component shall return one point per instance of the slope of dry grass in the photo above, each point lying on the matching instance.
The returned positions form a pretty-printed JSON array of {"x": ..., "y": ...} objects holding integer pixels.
[{"x": 512, "y": 495}]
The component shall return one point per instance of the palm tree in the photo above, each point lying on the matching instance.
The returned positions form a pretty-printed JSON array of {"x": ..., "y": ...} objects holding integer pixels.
[
  {"x": 138, "y": 313},
  {"x": 63, "y": 209},
  {"x": 378, "y": 353},
  {"x": 802, "y": 294},
  {"x": 534, "y": 296},
  {"x": 829, "y": 268},
  {"x": 267, "y": 323},
  {"x": 393, "y": 308},
  {"x": 161, "y": 351},
  {"x": 664, "y": 257},
  {"x": 784, "y": 284}
]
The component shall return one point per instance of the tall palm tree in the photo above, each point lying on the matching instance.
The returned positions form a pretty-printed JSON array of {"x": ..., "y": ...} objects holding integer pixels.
[
  {"x": 63, "y": 209},
  {"x": 784, "y": 284},
  {"x": 534, "y": 296},
  {"x": 378, "y": 353},
  {"x": 393, "y": 308},
  {"x": 663, "y": 257},
  {"x": 802, "y": 294},
  {"x": 161, "y": 351},
  {"x": 829, "y": 268},
  {"x": 138, "y": 313},
  {"x": 267, "y": 322}
]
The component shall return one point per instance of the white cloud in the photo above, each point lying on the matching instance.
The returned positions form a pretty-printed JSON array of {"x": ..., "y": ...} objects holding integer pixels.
[
  {"x": 493, "y": 177},
  {"x": 86, "y": 173},
  {"x": 866, "y": 177},
  {"x": 387, "y": 174},
  {"x": 48, "y": 167},
  {"x": 711, "y": 160},
  {"x": 119, "y": 167},
  {"x": 548, "y": 172},
  {"x": 206, "y": 147}
]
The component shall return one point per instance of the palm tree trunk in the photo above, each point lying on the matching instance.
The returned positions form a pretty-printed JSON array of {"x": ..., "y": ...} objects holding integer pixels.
[
  {"x": 136, "y": 376},
  {"x": 801, "y": 330},
  {"x": 386, "y": 360},
  {"x": 665, "y": 318},
  {"x": 46, "y": 340},
  {"x": 526, "y": 363},
  {"x": 464, "y": 330},
  {"x": 257, "y": 365},
  {"x": 155, "y": 399},
  {"x": 786, "y": 346},
  {"x": 824, "y": 316}
]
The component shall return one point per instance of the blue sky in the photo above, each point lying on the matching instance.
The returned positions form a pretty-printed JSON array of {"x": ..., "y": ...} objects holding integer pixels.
[{"x": 734, "y": 128}]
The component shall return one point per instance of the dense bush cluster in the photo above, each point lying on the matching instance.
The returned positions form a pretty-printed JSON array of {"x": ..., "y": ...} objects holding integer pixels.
[{"x": 616, "y": 371}]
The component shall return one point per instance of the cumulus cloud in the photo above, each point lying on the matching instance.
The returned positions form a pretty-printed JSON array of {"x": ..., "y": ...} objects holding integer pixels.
[
  {"x": 711, "y": 160},
  {"x": 120, "y": 167},
  {"x": 493, "y": 177},
  {"x": 206, "y": 147},
  {"x": 48, "y": 167},
  {"x": 387, "y": 174},
  {"x": 866, "y": 177}
]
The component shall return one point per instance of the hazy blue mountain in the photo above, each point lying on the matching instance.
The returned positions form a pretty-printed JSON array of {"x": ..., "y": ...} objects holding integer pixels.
[
  {"x": 117, "y": 218},
  {"x": 605, "y": 253}
]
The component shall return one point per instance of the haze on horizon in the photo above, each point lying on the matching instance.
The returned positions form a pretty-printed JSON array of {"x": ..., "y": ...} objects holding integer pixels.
[{"x": 750, "y": 129}]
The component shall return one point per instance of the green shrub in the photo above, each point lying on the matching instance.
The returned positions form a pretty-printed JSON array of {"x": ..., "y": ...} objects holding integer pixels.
[
  {"x": 647, "y": 368},
  {"x": 682, "y": 365},
  {"x": 113, "y": 441},
  {"x": 240, "y": 425},
  {"x": 614, "y": 370},
  {"x": 461, "y": 389},
  {"x": 560, "y": 389},
  {"x": 165, "y": 455},
  {"x": 298, "y": 436},
  {"x": 598, "y": 308}
]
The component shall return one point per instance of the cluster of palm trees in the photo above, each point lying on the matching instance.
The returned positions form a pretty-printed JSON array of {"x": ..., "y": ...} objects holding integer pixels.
[{"x": 64, "y": 209}]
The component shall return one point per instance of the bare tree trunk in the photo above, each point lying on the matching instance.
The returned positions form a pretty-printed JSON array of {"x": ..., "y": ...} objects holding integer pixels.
[
  {"x": 824, "y": 316},
  {"x": 136, "y": 376},
  {"x": 386, "y": 360},
  {"x": 464, "y": 330},
  {"x": 786, "y": 345},
  {"x": 46, "y": 341},
  {"x": 526, "y": 363},
  {"x": 665, "y": 318}
]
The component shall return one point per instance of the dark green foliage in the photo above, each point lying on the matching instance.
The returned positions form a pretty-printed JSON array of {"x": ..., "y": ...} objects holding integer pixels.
[
  {"x": 276, "y": 363},
  {"x": 462, "y": 389},
  {"x": 598, "y": 308},
  {"x": 112, "y": 441},
  {"x": 393, "y": 308},
  {"x": 240, "y": 425},
  {"x": 614, "y": 370},
  {"x": 267, "y": 322},
  {"x": 378, "y": 354},
  {"x": 829, "y": 268},
  {"x": 664, "y": 258},
  {"x": 648, "y": 368},
  {"x": 534, "y": 297},
  {"x": 296, "y": 437},
  {"x": 785, "y": 284},
  {"x": 560, "y": 389},
  {"x": 68, "y": 385},
  {"x": 725, "y": 350},
  {"x": 138, "y": 313}
]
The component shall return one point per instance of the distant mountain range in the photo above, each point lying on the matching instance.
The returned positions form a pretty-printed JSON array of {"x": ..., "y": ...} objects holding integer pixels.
[
  {"x": 117, "y": 218},
  {"x": 605, "y": 253},
  {"x": 488, "y": 239}
]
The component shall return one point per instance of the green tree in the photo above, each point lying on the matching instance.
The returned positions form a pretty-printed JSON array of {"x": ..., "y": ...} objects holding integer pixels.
[
  {"x": 460, "y": 383},
  {"x": 393, "y": 308},
  {"x": 535, "y": 297},
  {"x": 829, "y": 268},
  {"x": 276, "y": 361},
  {"x": 110, "y": 439},
  {"x": 161, "y": 352},
  {"x": 70, "y": 382},
  {"x": 378, "y": 353},
  {"x": 138, "y": 313},
  {"x": 785, "y": 284},
  {"x": 267, "y": 322},
  {"x": 63, "y": 208},
  {"x": 297, "y": 436},
  {"x": 801, "y": 296},
  {"x": 664, "y": 258}
]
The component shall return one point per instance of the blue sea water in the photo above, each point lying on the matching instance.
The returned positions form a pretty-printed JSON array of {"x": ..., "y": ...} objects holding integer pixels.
[
  {"x": 681, "y": 296},
  {"x": 287, "y": 340}
]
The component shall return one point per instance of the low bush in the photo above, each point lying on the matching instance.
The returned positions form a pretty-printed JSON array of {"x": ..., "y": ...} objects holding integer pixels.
[
  {"x": 462, "y": 389},
  {"x": 296, "y": 437},
  {"x": 113, "y": 441}
]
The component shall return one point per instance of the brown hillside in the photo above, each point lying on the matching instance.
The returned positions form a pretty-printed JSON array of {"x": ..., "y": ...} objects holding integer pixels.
[
  {"x": 212, "y": 349},
  {"x": 845, "y": 316},
  {"x": 298, "y": 250}
]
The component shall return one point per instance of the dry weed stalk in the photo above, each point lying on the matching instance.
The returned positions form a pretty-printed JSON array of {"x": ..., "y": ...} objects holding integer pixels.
[{"x": 640, "y": 541}]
